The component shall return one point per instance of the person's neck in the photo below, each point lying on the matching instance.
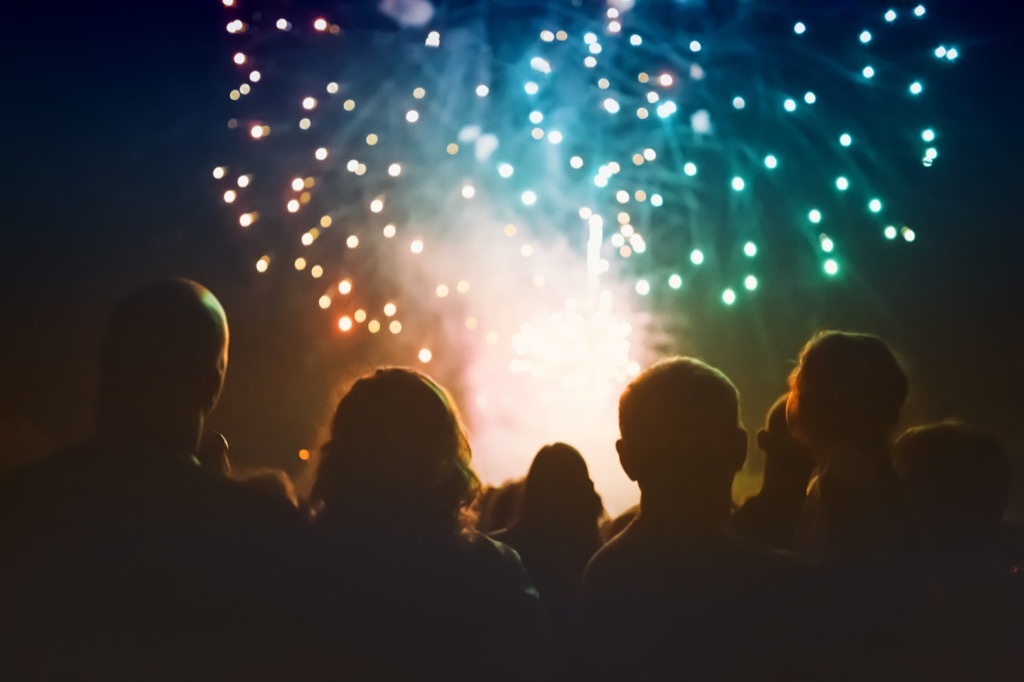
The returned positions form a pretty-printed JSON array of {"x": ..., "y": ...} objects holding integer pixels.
[
  {"x": 162, "y": 436},
  {"x": 686, "y": 511}
]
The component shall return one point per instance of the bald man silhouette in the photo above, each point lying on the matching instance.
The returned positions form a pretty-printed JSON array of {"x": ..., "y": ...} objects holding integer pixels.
[{"x": 124, "y": 556}]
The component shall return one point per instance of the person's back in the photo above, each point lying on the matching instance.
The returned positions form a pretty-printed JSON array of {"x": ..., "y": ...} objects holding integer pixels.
[
  {"x": 676, "y": 593},
  {"x": 123, "y": 556},
  {"x": 398, "y": 570}
]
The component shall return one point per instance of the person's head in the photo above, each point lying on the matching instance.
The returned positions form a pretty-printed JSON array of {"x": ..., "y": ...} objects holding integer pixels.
[
  {"x": 558, "y": 494},
  {"x": 845, "y": 388},
  {"x": 162, "y": 360},
  {"x": 680, "y": 430},
  {"x": 397, "y": 455},
  {"x": 787, "y": 462},
  {"x": 953, "y": 476}
]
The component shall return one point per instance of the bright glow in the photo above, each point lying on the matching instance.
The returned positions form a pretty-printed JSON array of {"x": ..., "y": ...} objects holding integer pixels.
[
  {"x": 916, "y": 88},
  {"x": 611, "y": 106},
  {"x": 952, "y": 54},
  {"x": 529, "y": 198},
  {"x": 657, "y": 200},
  {"x": 332, "y": 88},
  {"x": 814, "y": 216},
  {"x": 389, "y": 231},
  {"x": 845, "y": 140},
  {"x": 940, "y": 52},
  {"x": 482, "y": 90},
  {"x": 694, "y": 46},
  {"x": 555, "y": 137},
  {"x": 931, "y": 153},
  {"x": 576, "y": 162},
  {"x": 321, "y": 154},
  {"x": 293, "y": 206},
  {"x": 309, "y": 103},
  {"x": 865, "y": 37},
  {"x": 395, "y": 327},
  {"x": 728, "y": 297},
  {"x": 738, "y": 184},
  {"x": 441, "y": 291},
  {"x": 643, "y": 287},
  {"x": 738, "y": 102},
  {"x": 875, "y": 205},
  {"x": 229, "y": 196},
  {"x": 345, "y": 287},
  {"x": 320, "y": 24},
  {"x": 789, "y": 105},
  {"x": 831, "y": 267},
  {"x": 395, "y": 169},
  {"x": 750, "y": 282},
  {"x": 827, "y": 245},
  {"x": 675, "y": 281},
  {"x": 919, "y": 11},
  {"x": 390, "y": 309},
  {"x": 243, "y": 181},
  {"x": 373, "y": 326},
  {"x": 799, "y": 28},
  {"x": 425, "y": 355},
  {"x": 345, "y": 323},
  {"x": 254, "y": 76},
  {"x": 770, "y": 161},
  {"x": 416, "y": 246},
  {"x": 635, "y": 40},
  {"x": 298, "y": 184},
  {"x": 536, "y": 117},
  {"x": 468, "y": 191},
  {"x": 890, "y": 232},
  {"x": 352, "y": 241},
  {"x": 928, "y": 135},
  {"x": 531, "y": 88},
  {"x": 505, "y": 170},
  {"x": 810, "y": 97},
  {"x": 239, "y": 58},
  {"x": 868, "y": 72},
  {"x": 412, "y": 116},
  {"x": 750, "y": 249},
  {"x": 842, "y": 184},
  {"x": 908, "y": 234},
  {"x": 246, "y": 219},
  {"x": 665, "y": 80},
  {"x": 219, "y": 172},
  {"x": 300, "y": 263},
  {"x": 325, "y": 302},
  {"x": 690, "y": 168},
  {"x": 890, "y": 16},
  {"x": 696, "y": 256},
  {"x": 539, "y": 64}
]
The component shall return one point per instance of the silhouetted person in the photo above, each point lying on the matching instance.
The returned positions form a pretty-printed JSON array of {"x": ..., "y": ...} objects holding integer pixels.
[
  {"x": 845, "y": 398},
  {"x": 402, "y": 573},
  {"x": 957, "y": 486},
  {"x": 123, "y": 557},
  {"x": 770, "y": 517},
  {"x": 844, "y": 402},
  {"x": 556, "y": 531},
  {"x": 497, "y": 506},
  {"x": 612, "y": 527},
  {"x": 676, "y": 593}
]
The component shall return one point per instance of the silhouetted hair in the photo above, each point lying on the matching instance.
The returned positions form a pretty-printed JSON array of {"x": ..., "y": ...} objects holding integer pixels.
[
  {"x": 271, "y": 482},
  {"x": 789, "y": 458},
  {"x": 678, "y": 396},
  {"x": 558, "y": 493},
  {"x": 164, "y": 343},
  {"x": 846, "y": 387},
  {"x": 398, "y": 454},
  {"x": 952, "y": 472}
]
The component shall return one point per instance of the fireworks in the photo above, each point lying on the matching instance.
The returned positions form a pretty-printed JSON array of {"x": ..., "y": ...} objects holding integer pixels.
[{"x": 524, "y": 183}]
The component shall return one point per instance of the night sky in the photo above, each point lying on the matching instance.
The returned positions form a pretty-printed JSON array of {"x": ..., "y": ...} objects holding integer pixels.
[{"x": 114, "y": 115}]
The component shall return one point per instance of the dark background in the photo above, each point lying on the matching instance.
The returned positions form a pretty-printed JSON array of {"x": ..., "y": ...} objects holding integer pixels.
[{"x": 113, "y": 115}]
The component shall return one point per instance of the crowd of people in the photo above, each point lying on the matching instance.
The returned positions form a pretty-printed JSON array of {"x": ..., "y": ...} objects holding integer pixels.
[{"x": 140, "y": 554}]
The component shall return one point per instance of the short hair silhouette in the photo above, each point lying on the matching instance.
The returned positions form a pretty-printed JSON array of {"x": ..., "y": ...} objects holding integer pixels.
[
  {"x": 558, "y": 492},
  {"x": 952, "y": 473},
  {"x": 785, "y": 457},
  {"x": 165, "y": 347},
  {"x": 398, "y": 454},
  {"x": 846, "y": 387},
  {"x": 678, "y": 415}
]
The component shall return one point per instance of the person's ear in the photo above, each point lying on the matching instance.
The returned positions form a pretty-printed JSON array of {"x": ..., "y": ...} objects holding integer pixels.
[
  {"x": 626, "y": 459},
  {"x": 763, "y": 440}
]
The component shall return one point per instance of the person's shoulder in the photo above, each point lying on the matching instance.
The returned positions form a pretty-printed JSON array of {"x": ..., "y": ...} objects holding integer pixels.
[{"x": 610, "y": 558}]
